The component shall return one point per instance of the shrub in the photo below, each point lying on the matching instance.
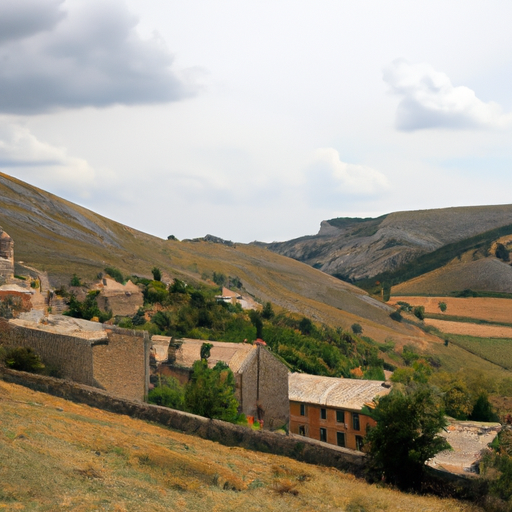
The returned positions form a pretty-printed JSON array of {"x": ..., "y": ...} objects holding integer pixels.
[
  {"x": 267, "y": 312},
  {"x": 396, "y": 316},
  {"x": 356, "y": 328},
  {"x": 157, "y": 274},
  {"x": 23, "y": 359},
  {"x": 169, "y": 393},
  {"x": 442, "y": 306},
  {"x": 75, "y": 281},
  {"x": 419, "y": 312},
  {"x": 115, "y": 274},
  {"x": 219, "y": 278}
]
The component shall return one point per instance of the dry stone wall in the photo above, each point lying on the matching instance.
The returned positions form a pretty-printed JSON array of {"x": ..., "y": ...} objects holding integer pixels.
[
  {"x": 122, "y": 365},
  {"x": 73, "y": 356},
  {"x": 300, "y": 448}
]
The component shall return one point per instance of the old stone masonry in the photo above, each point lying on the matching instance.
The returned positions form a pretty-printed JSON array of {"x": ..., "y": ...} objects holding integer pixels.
[{"x": 6, "y": 257}]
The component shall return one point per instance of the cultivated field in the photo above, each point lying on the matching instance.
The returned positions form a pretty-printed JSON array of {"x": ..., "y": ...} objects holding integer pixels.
[
  {"x": 497, "y": 351},
  {"x": 57, "y": 455},
  {"x": 482, "y": 308},
  {"x": 470, "y": 329}
]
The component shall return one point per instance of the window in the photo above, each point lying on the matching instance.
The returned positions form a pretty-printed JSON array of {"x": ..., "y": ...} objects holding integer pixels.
[
  {"x": 355, "y": 421},
  {"x": 302, "y": 430},
  {"x": 323, "y": 414},
  {"x": 323, "y": 435},
  {"x": 340, "y": 439},
  {"x": 359, "y": 443},
  {"x": 303, "y": 409},
  {"x": 340, "y": 416}
]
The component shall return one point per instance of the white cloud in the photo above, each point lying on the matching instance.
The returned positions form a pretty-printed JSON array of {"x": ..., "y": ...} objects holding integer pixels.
[
  {"x": 88, "y": 55},
  {"x": 26, "y": 157},
  {"x": 331, "y": 181},
  {"x": 430, "y": 100}
]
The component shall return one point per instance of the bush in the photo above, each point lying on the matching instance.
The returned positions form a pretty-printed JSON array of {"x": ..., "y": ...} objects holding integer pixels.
[
  {"x": 157, "y": 274},
  {"x": 396, "y": 316},
  {"x": 169, "y": 393},
  {"x": 23, "y": 359},
  {"x": 115, "y": 274},
  {"x": 442, "y": 306},
  {"x": 75, "y": 281},
  {"x": 419, "y": 312},
  {"x": 219, "y": 278},
  {"x": 356, "y": 328}
]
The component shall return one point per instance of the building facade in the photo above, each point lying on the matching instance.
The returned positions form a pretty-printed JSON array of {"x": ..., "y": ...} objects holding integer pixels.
[
  {"x": 330, "y": 409},
  {"x": 261, "y": 379}
]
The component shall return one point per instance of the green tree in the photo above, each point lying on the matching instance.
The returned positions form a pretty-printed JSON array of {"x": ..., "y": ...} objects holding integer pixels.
[
  {"x": 267, "y": 312},
  {"x": 75, "y": 281},
  {"x": 157, "y": 274},
  {"x": 406, "y": 435},
  {"x": 211, "y": 392},
  {"x": 219, "y": 278},
  {"x": 168, "y": 393},
  {"x": 419, "y": 312},
  {"x": 442, "y": 306},
  {"x": 115, "y": 274},
  {"x": 23, "y": 359},
  {"x": 256, "y": 320},
  {"x": 356, "y": 328},
  {"x": 483, "y": 410}
]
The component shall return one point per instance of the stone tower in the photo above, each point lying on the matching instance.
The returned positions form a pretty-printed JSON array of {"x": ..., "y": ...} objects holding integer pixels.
[{"x": 6, "y": 256}]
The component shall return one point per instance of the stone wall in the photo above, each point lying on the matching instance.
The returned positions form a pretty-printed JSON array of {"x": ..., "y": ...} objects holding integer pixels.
[
  {"x": 73, "y": 356},
  {"x": 121, "y": 304},
  {"x": 6, "y": 256},
  {"x": 119, "y": 363},
  {"x": 302, "y": 449},
  {"x": 121, "y": 366},
  {"x": 263, "y": 379}
]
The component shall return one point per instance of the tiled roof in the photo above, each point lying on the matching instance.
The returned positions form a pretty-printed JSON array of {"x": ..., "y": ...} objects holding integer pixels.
[
  {"x": 333, "y": 392},
  {"x": 233, "y": 354}
]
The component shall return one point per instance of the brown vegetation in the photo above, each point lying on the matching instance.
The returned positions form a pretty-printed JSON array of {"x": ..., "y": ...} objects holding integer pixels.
[{"x": 58, "y": 455}]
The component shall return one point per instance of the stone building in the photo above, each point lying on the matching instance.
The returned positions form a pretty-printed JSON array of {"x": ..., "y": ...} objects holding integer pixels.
[
  {"x": 261, "y": 379},
  {"x": 6, "y": 257},
  {"x": 121, "y": 299},
  {"x": 103, "y": 356},
  {"x": 329, "y": 409}
]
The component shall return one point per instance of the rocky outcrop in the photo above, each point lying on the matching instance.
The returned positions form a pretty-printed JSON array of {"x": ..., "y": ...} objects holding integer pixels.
[{"x": 354, "y": 249}]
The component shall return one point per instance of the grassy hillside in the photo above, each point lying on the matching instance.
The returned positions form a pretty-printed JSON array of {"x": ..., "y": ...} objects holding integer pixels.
[
  {"x": 61, "y": 238},
  {"x": 58, "y": 455}
]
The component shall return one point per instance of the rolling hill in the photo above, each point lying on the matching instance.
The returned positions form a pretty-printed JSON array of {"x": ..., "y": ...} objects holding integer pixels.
[
  {"x": 358, "y": 249},
  {"x": 61, "y": 238}
]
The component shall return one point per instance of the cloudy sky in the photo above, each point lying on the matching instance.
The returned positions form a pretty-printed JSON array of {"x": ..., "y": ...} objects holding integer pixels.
[{"x": 257, "y": 120}]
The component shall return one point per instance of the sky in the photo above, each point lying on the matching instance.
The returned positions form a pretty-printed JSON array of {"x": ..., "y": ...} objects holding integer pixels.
[{"x": 257, "y": 120}]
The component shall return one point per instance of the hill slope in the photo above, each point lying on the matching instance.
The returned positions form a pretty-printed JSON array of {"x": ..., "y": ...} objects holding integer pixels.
[
  {"x": 58, "y": 455},
  {"x": 62, "y": 238},
  {"x": 355, "y": 249}
]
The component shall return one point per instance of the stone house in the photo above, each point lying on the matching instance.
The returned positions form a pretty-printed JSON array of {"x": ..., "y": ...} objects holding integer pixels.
[
  {"x": 121, "y": 299},
  {"x": 261, "y": 378},
  {"x": 329, "y": 409},
  {"x": 6, "y": 257},
  {"x": 103, "y": 356}
]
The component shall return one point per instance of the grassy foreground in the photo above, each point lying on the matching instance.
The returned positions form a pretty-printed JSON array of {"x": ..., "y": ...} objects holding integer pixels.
[{"x": 57, "y": 455}]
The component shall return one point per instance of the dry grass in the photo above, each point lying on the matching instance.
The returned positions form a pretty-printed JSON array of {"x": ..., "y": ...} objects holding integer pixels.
[
  {"x": 57, "y": 455},
  {"x": 482, "y": 308},
  {"x": 470, "y": 329}
]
